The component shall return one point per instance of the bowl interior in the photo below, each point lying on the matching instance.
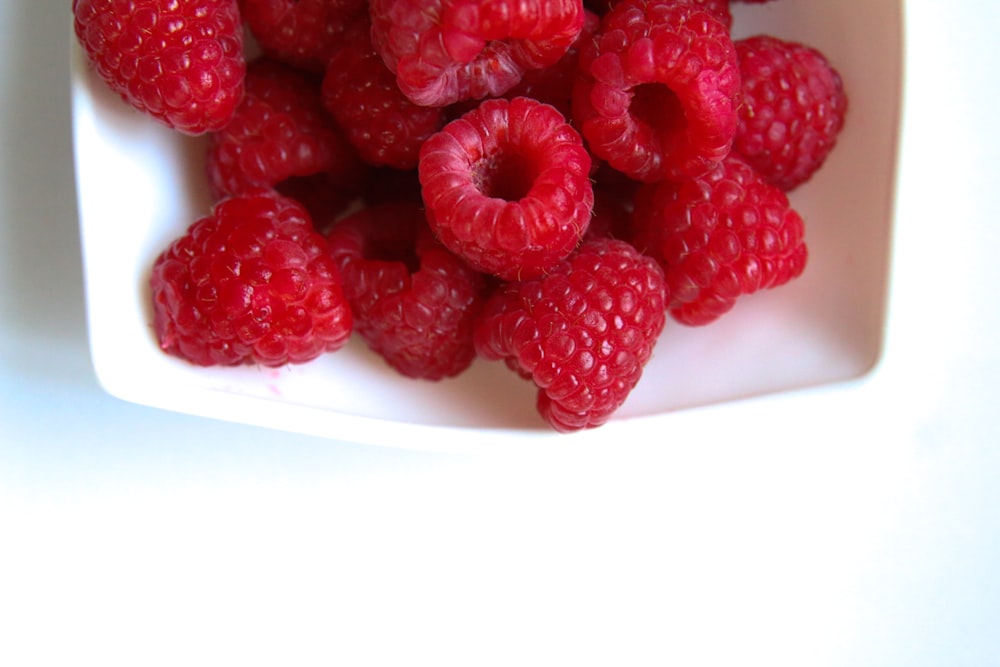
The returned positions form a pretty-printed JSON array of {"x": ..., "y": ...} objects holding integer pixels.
[{"x": 140, "y": 185}]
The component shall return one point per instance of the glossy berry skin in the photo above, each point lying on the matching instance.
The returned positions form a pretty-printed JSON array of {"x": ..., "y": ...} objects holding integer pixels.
[
  {"x": 720, "y": 8},
  {"x": 361, "y": 94},
  {"x": 282, "y": 137},
  {"x": 447, "y": 51},
  {"x": 299, "y": 32},
  {"x": 657, "y": 91},
  {"x": 792, "y": 109},
  {"x": 554, "y": 84},
  {"x": 582, "y": 333},
  {"x": 720, "y": 236},
  {"x": 414, "y": 302},
  {"x": 507, "y": 187},
  {"x": 179, "y": 62},
  {"x": 251, "y": 283}
]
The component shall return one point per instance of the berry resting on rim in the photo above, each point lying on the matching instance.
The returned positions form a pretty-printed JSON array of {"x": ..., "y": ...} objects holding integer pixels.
[
  {"x": 792, "y": 109},
  {"x": 181, "y": 62},
  {"x": 718, "y": 237},
  {"x": 251, "y": 283}
]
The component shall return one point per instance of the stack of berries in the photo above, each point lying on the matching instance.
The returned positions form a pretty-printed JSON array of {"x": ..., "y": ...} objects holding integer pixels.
[{"x": 542, "y": 182}]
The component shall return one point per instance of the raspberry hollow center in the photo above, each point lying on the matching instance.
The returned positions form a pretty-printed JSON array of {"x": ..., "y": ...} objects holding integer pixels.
[
  {"x": 508, "y": 175},
  {"x": 657, "y": 107}
]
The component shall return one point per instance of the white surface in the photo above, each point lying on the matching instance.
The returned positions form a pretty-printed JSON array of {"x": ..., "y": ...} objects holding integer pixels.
[
  {"x": 850, "y": 526},
  {"x": 140, "y": 185}
]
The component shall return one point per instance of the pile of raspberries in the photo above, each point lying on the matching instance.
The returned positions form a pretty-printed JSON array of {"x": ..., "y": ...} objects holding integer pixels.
[{"x": 538, "y": 182}]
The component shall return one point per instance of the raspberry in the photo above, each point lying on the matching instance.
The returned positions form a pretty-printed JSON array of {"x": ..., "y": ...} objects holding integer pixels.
[
  {"x": 360, "y": 92},
  {"x": 554, "y": 84},
  {"x": 506, "y": 187},
  {"x": 250, "y": 283},
  {"x": 446, "y": 51},
  {"x": 656, "y": 96},
  {"x": 719, "y": 8},
  {"x": 181, "y": 62},
  {"x": 582, "y": 333},
  {"x": 299, "y": 32},
  {"x": 792, "y": 110},
  {"x": 413, "y": 301},
  {"x": 720, "y": 236},
  {"x": 282, "y": 137}
]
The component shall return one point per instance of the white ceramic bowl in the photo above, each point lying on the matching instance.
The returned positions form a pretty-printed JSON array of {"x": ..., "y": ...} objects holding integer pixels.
[{"x": 140, "y": 185}]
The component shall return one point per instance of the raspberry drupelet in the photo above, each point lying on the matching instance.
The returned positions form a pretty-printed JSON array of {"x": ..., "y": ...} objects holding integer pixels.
[
  {"x": 282, "y": 137},
  {"x": 181, "y": 63},
  {"x": 361, "y": 94},
  {"x": 299, "y": 32},
  {"x": 447, "y": 51},
  {"x": 554, "y": 84},
  {"x": 792, "y": 109},
  {"x": 414, "y": 302},
  {"x": 720, "y": 236},
  {"x": 582, "y": 333},
  {"x": 657, "y": 90},
  {"x": 720, "y": 8},
  {"x": 507, "y": 187},
  {"x": 251, "y": 283}
]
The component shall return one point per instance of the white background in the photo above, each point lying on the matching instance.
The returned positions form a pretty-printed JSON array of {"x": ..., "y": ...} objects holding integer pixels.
[{"x": 132, "y": 536}]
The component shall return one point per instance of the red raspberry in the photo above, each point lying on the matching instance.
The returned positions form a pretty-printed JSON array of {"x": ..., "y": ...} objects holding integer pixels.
[
  {"x": 180, "y": 62},
  {"x": 582, "y": 333},
  {"x": 656, "y": 97},
  {"x": 361, "y": 93},
  {"x": 554, "y": 84},
  {"x": 506, "y": 187},
  {"x": 299, "y": 32},
  {"x": 413, "y": 301},
  {"x": 719, "y": 236},
  {"x": 446, "y": 51},
  {"x": 792, "y": 110},
  {"x": 719, "y": 8},
  {"x": 282, "y": 137},
  {"x": 250, "y": 283}
]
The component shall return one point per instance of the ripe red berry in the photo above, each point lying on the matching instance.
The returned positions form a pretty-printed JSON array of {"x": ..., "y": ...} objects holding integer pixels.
[
  {"x": 582, "y": 333},
  {"x": 657, "y": 91},
  {"x": 299, "y": 32},
  {"x": 180, "y": 62},
  {"x": 720, "y": 8},
  {"x": 446, "y": 51},
  {"x": 792, "y": 109},
  {"x": 252, "y": 282},
  {"x": 361, "y": 94},
  {"x": 282, "y": 137},
  {"x": 507, "y": 187},
  {"x": 413, "y": 301},
  {"x": 722, "y": 235},
  {"x": 554, "y": 84}
]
